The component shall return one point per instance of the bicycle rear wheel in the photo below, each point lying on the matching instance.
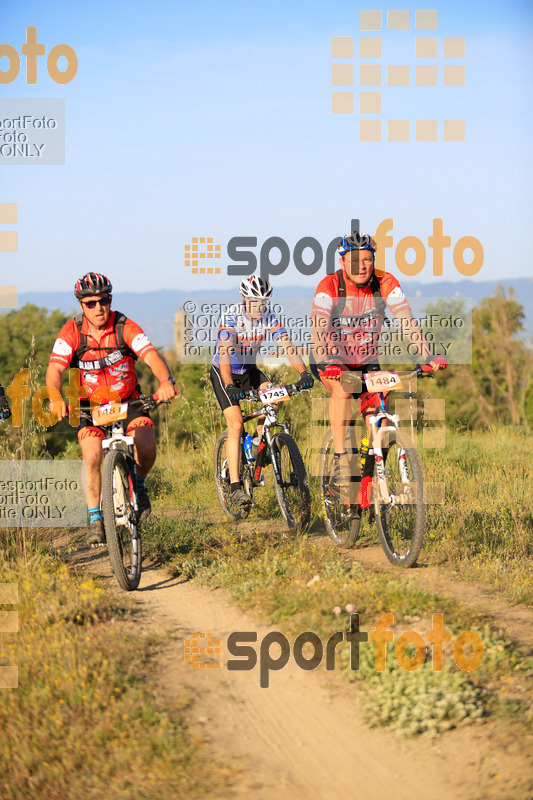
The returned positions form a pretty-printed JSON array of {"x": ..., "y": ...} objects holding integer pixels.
[
  {"x": 293, "y": 493},
  {"x": 120, "y": 522},
  {"x": 222, "y": 481},
  {"x": 342, "y": 521},
  {"x": 402, "y": 524}
]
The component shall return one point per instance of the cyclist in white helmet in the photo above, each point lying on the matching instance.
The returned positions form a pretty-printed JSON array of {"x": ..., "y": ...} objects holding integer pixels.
[{"x": 241, "y": 331}]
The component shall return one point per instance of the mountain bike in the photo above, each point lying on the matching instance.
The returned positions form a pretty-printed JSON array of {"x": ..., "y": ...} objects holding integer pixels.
[
  {"x": 278, "y": 449},
  {"x": 397, "y": 499},
  {"x": 120, "y": 507}
]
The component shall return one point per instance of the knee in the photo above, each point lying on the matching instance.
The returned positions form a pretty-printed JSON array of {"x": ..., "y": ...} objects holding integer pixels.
[
  {"x": 339, "y": 394},
  {"x": 235, "y": 428},
  {"x": 93, "y": 458}
]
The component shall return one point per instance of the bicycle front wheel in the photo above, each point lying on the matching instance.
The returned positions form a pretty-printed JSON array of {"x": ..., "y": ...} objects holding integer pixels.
[
  {"x": 401, "y": 523},
  {"x": 292, "y": 492},
  {"x": 223, "y": 484},
  {"x": 342, "y": 521},
  {"x": 120, "y": 521}
]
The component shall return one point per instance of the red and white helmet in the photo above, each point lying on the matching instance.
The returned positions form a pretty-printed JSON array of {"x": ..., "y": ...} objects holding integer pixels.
[
  {"x": 256, "y": 288},
  {"x": 92, "y": 284}
]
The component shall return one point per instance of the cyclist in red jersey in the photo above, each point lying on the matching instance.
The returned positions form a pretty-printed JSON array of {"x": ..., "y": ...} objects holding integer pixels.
[
  {"x": 346, "y": 319},
  {"x": 104, "y": 344}
]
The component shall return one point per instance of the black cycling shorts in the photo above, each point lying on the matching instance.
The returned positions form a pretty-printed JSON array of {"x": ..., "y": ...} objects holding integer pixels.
[
  {"x": 251, "y": 379},
  {"x": 361, "y": 368},
  {"x": 136, "y": 418}
]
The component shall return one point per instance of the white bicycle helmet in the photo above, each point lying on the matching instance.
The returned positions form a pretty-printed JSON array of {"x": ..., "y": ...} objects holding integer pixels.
[{"x": 256, "y": 288}]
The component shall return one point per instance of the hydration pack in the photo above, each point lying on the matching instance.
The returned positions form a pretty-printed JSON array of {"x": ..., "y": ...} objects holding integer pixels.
[
  {"x": 113, "y": 354},
  {"x": 380, "y": 305}
]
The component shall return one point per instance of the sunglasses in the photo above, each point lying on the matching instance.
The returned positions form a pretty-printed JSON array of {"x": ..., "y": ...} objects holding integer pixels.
[{"x": 104, "y": 301}]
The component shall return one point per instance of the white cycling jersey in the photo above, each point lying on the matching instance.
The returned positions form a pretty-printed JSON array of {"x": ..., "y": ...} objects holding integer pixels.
[{"x": 246, "y": 335}]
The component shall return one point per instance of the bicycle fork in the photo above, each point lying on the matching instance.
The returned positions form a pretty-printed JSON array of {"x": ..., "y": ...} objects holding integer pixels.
[
  {"x": 377, "y": 435},
  {"x": 266, "y": 441},
  {"x": 378, "y": 431},
  {"x": 107, "y": 446}
]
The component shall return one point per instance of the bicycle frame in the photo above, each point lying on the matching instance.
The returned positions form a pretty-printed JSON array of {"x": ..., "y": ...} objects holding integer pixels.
[
  {"x": 113, "y": 442},
  {"x": 378, "y": 430},
  {"x": 270, "y": 412},
  {"x": 118, "y": 438}
]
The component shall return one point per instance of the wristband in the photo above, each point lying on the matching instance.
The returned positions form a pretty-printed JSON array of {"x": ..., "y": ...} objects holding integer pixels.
[{"x": 170, "y": 378}]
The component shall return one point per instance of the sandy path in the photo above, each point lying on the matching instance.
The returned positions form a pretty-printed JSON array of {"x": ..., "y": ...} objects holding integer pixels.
[
  {"x": 303, "y": 736},
  {"x": 515, "y": 619}
]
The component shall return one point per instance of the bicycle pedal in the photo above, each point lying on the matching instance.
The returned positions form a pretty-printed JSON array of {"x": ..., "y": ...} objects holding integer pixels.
[
  {"x": 332, "y": 492},
  {"x": 340, "y": 497}
]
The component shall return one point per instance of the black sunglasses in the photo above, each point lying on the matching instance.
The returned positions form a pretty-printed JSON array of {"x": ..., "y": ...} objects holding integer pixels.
[{"x": 104, "y": 301}]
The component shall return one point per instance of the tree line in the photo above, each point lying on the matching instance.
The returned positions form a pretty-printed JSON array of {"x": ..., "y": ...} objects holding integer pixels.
[{"x": 495, "y": 388}]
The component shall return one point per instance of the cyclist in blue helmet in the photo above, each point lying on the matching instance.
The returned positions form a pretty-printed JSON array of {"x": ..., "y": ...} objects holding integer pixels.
[{"x": 346, "y": 319}]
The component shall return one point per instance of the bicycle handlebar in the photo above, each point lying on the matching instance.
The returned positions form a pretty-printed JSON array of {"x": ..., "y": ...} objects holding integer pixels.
[
  {"x": 290, "y": 388},
  {"x": 146, "y": 402},
  {"x": 422, "y": 371},
  {"x": 150, "y": 403}
]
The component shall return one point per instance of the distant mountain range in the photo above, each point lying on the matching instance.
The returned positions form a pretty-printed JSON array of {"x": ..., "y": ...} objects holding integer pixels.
[{"x": 154, "y": 311}]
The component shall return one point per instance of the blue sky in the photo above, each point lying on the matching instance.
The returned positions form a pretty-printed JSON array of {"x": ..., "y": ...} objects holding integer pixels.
[{"x": 215, "y": 120}]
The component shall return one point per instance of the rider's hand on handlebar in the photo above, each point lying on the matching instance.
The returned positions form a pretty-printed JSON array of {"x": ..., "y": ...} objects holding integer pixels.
[
  {"x": 306, "y": 380},
  {"x": 330, "y": 371},
  {"x": 235, "y": 395},
  {"x": 434, "y": 363},
  {"x": 59, "y": 409},
  {"x": 165, "y": 393}
]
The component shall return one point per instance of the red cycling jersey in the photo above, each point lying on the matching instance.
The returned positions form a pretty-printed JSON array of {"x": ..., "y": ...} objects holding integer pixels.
[
  {"x": 354, "y": 322},
  {"x": 118, "y": 373}
]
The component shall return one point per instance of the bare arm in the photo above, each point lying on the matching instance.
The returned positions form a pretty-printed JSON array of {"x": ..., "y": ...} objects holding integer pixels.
[
  {"x": 411, "y": 327},
  {"x": 166, "y": 389},
  {"x": 290, "y": 351},
  {"x": 319, "y": 325},
  {"x": 54, "y": 380},
  {"x": 225, "y": 349}
]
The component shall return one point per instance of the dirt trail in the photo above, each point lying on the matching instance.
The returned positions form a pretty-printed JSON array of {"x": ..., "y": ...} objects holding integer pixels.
[
  {"x": 515, "y": 619},
  {"x": 303, "y": 737}
]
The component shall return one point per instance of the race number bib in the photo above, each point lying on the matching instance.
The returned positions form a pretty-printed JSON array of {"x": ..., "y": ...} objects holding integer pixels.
[
  {"x": 110, "y": 413},
  {"x": 382, "y": 381},
  {"x": 273, "y": 395}
]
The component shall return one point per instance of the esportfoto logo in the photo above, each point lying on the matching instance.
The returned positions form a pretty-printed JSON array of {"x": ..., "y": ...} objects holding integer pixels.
[
  {"x": 308, "y": 255},
  {"x": 375, "y": 73}
]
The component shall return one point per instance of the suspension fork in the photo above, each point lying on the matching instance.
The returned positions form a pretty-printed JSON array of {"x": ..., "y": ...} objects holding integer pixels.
[
  {"x": 119, "y": 441},
  {"x": 402, "y": 462},
  {"x": 377, "y": 432},
  {"x": 266, "y": 440}
]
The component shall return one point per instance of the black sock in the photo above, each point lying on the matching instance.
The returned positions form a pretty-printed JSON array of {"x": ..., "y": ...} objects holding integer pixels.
[
  {"x": 338, "y": 455},
  {"x": 235, "y": 487}
]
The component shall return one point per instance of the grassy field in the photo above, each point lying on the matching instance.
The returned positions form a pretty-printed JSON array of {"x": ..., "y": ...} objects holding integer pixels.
[
  {"x": 481, "y": 533},
  {"x": 84, "y": 721},
  {"x": 484, "y": 529}
]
